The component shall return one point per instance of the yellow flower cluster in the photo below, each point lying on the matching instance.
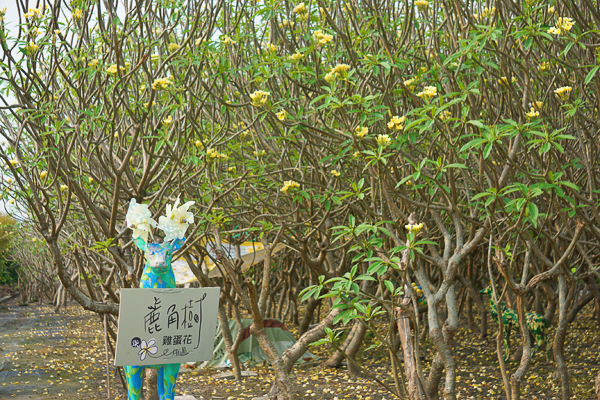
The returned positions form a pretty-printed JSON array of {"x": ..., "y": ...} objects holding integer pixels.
[
  {"x": 562, "y": 26},
  {"x": 551, "y": 10},
  {"x": 161, "y": 83},
  {"x": 504, "y": 80},
  {"x": 215, "y": 155},
  {"x": 335, "y": 173},
  {"x": 396, "y": 123},
  {"x": 410, "y": 82},
  {"x": 233, "y": 169},
  {"x": 414, "y": 228},
  {"x": 322, "y": 38},
  {"x": 272, "y": 47},
  {"x": 63, "y": 188},
  {"x": 31, "y": 47},
  {"x": 168, "y": 121},
  {"x": 444, "y": 115},
  {"x": 227, "y": 41},
  {"x": 422, "y": 4},
  {"x": 93, "y": 64},
  {"x": 2, "y": 14},
  {"x": 34, "y": 13},
  {"x": 543, "y": 66},
  {"x": 43, "y": 175},
  {"x": 282, "y": 115},
  {"x": 285, "y": 23},
  {"x": 564, "y": 92},
  {"x": 260, "y": 153},
  {"x": 336, "y": 71},
  {"x": 259, "y": 98},
  {"x": 173, "y": 46},
  {"x": 356, "y": 154},
  {"x": 287, "y": 185},
  {"x": 361, "y": 131},
  {"x": 113, "y": 68},
  {"x": 301, "y": 10},
  {"x": 77, "y": 14},
  {"x": 296, "y": 57},
  {"x": 487, "y": 12},
  {"x": 428, "y": 92},
  {"x": 199, "y": 144},
  {"x": 383, "y": 140},
  {"x": 532, "y": 113}
]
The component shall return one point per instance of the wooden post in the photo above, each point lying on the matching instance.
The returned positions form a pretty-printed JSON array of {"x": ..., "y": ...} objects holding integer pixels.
[{"x": 408, "y": 352}]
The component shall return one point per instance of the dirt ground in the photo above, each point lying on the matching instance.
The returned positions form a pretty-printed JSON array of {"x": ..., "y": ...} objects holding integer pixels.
[{"x": 50, "y": 356}]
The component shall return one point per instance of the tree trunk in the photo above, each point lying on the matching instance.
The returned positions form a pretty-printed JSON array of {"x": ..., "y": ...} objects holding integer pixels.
[
  {"x": 228, "y": 339},
  {"x": 517, "y": 377},
  {"x": 151, "y": 384},
  {"x": 337, "y": 357},
  {"x": 408, "y": 353},
  {"x": 308, "y": 315},
  {"x": 559, "y": 338}
]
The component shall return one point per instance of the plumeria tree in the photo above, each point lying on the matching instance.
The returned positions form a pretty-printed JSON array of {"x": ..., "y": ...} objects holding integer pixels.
[{"x": 323, "y": 126}]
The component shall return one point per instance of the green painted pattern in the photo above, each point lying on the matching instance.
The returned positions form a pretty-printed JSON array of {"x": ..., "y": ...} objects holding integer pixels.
[{"x": 536, "y": 324}]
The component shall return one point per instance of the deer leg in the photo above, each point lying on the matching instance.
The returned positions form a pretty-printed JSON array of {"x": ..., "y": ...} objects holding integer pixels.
[{"x": 135, "y": 377}]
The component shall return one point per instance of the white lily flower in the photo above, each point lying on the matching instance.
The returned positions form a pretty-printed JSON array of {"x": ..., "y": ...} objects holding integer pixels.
[
  {"x": 177, "y": 220},
  {"x": 139, "y": 219}
]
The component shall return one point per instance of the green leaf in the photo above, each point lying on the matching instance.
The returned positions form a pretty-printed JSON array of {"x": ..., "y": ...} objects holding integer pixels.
[
  {"x": 389, "y": 285},
  {"x": 591, "y": 74}
]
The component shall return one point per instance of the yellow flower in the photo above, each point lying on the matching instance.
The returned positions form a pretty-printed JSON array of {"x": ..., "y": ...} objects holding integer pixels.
[
  {"x": 414, "y": 228},
  {"x": 444, "y": 115},
  {"x": 34, "y": 13},
  {"x": 63, "y": 188},
  {"x": 272, "y": 47},
  {"x": 113, "y": 69},
  {"x": 168, "y": 121},
  {"x": 562, "y": 26},
  {"x": 199, "y": 144},
  {"x": 161, "y": 83},
  {"x": 12, "y": 201},
  {"x": 212, "y": 153},
  {"x": 335, "y": 172},
  {"x": 543, "y": 66},
  {"x": 422, "y": 4},
  {"x": 356, "y": 154},
  {"x": 287, "y": 185},
  {"x": 227, "y": 41},
  {"x": 285, "y": 23},
  {"x": 282, "y": 115},
  {"x": 539, "y": 104},
  {"x": 361, "y": 131},
  {"x": 330, "y": 77},
  {"x": 260, "y": 153},
  {"x": 232, "y": 169},
  {"x": 383, "y": 140},
  {"x": 31, "y": 47},
  {"x": 77, "y": 14},
  {"x": 322, "y": 38},
  {"x": 93, "y": 63},
  {"x": 396, "y": 123},
  {"x": 14, "y": 162},
  {"x": 563, "y": 93},
  {"x": 259, "y": 98},
  {"x": 340, "y": 69},
  {"x": 43, "y": 175},
  {"x": 428, "y": 92},
  {"x": 532, "y": 114},
  {"x": 2, "y": 14},
  {"x": 173, "y": 46},
  {"x": 296, "y": 57},
  {"x": 91, "y": 180},
  {"x": 410, "y": 82},
  {"x": 8, "y": 180},
  {"x": 300, "y": 9},
  {"x": 551, "y": 10},
  {"x": 148, "y": 105}
]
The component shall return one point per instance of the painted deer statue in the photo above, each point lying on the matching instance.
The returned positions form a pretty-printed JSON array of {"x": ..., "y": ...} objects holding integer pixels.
[
  {"x": 157, "y": 274},
  {"x": 536, "y": 324}
]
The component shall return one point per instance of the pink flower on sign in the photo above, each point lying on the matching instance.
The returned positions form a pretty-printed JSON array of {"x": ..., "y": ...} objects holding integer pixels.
[{"x": 146, "y": 348}]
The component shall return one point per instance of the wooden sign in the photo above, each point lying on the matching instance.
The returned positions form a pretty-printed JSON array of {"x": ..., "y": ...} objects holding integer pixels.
[{"x": 166, "y": 326}]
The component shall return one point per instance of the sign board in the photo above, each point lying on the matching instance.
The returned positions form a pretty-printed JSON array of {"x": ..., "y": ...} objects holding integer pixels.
[{"x": 166, "y": 326}]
